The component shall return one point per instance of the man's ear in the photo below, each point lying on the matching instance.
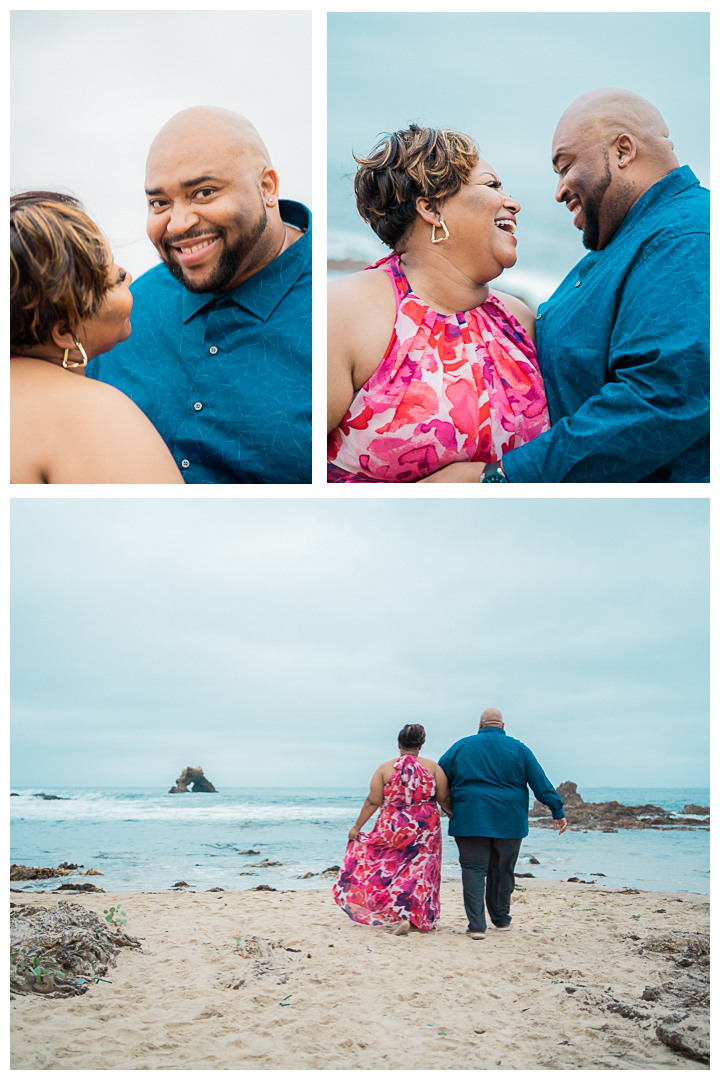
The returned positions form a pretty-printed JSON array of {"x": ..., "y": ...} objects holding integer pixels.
[
  {"x": 625, "y": 149},
  {"x": 270, "y": 186}
]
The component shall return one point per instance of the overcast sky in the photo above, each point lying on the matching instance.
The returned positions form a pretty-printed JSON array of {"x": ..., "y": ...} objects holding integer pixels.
[
  {"x": 506, "y": 78},
  {"x": 91, "y": 89},
  {"x": 286, "y": 641}
]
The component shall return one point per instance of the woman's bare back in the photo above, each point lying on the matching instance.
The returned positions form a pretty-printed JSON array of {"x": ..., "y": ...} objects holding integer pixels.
[{"x": 66, "y": 429}]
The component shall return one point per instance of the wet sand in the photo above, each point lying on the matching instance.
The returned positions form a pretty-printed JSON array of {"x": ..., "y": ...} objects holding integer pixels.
[{"x": 353, "y": 997}]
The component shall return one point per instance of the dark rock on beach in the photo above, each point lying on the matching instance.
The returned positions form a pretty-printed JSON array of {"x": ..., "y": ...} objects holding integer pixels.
[
  {"x": 691, "y": 808},
  {"x": 77, "y": 886},
  {"x": 611, "y": 816},
  {"x": 194, "y": 776},
  {"x": 42, "y": 795},
  {"x": 36, "y": 873}
]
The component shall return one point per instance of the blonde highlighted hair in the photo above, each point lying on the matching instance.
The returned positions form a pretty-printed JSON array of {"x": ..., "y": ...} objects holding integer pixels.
[
  {"x": 419, "y": 162},
  {"x": 60, "y": 266}
]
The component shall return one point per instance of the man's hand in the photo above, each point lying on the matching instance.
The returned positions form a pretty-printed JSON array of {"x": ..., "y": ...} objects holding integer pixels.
[
  {"x": 353, "y": 834},
  {"x": 559, "y": 825},
  {"x": 460, "y": 472}
]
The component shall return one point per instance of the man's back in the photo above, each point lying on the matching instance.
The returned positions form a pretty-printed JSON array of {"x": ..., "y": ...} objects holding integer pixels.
[{"x": 489, "y": 775}]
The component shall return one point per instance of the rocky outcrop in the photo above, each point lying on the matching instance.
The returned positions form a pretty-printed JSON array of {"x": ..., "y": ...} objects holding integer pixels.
[
  {"x": 39, "y": 873},
  {"x": 61, "y": 951},
  {"x": 611, "y": 816},
  {"x": 691, "y": 808},
  {"x": 194, "y": 776}
]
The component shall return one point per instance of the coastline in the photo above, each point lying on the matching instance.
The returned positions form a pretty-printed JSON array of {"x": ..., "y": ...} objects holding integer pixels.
[{"x": 562, "y": 990}]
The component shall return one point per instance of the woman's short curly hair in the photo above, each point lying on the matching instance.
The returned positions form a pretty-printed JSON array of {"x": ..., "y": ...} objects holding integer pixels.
[
  {"x": 411, "y": 737},
  {"x": 433, "y": 163},
  {"x": 60, "y": 266}
]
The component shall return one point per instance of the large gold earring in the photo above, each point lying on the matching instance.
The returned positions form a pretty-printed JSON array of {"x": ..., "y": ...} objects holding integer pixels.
[
  {"x": 75, "y": 363},
  {"x": 440, "y": 238}
]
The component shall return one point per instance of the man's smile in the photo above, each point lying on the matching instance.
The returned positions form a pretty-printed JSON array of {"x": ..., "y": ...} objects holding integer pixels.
[
  {"x": 195, "y": 251},
  {"x": 575, "y": 207}
]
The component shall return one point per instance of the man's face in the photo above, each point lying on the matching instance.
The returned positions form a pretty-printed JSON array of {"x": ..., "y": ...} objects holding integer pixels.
[
  {"x": 582, "y": 163},
  {"x": 206, "y": 211}
]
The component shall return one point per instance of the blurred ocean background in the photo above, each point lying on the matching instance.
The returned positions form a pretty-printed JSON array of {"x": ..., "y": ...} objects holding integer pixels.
[
  {"x": 141, "y": 838},
  {"x": 505, "y": 79}
]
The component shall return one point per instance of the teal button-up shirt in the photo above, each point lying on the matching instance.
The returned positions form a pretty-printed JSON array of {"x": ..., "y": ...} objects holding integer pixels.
[
  {"x": 489, "y": 775},
  {"x": 624, "y": 349},
  {"x": 226, "y": 377}
]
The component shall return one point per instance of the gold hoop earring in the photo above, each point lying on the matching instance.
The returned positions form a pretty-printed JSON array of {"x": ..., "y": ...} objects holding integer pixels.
[
  {"x": 75, "y": 363},
  {"x": 440, "y": 238}
]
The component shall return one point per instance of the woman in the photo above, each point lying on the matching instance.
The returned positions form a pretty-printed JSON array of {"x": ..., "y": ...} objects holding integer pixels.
[
  {"x": 430, "y": 376},
  {"x": 392, "y": 875},
  {"x": 69, "y": 302}
]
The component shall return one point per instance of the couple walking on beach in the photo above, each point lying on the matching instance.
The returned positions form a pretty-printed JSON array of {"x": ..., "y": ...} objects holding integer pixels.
[{"x": 391, "y": 876}]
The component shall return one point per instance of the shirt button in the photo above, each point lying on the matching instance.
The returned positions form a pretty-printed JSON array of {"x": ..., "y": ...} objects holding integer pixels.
[
  {"x": 213, "y": 350},
  {"x": 185, "y": 463},
  {"x": 577, "y": 286},
  {"x": 197, "y": 406},
  {"x": 539, "y": 316}
]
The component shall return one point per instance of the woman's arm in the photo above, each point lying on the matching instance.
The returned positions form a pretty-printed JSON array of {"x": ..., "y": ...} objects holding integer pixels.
[
  {"x": 361, "y": 316},
  {"x": 443, "y": 790},
  {"x": 373, "y": 801}
]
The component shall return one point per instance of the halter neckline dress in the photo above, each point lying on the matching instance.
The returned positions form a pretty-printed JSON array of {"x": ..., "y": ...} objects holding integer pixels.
[
  {"x": 393, "y": 873},
  {"x": 463, "y": 387}
]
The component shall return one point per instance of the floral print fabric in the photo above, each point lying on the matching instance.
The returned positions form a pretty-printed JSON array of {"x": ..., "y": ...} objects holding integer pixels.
[
  {"x": 462, "y": 387},
  {"x": 393, "y": 873}
]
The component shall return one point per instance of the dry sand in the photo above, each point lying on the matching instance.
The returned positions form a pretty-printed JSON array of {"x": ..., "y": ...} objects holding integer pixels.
[{"x": 358, "y": 998}]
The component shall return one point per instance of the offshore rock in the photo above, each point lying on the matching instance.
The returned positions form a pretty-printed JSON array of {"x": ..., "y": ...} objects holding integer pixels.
[
  {"x": 194, "y": 776},
  {"x": 691, "y": 808}
]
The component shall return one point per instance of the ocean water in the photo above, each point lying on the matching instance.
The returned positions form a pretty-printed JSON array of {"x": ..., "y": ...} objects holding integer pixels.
[
  {"x": 534, "y": 280},
  {"x": 142, "y": 838}
]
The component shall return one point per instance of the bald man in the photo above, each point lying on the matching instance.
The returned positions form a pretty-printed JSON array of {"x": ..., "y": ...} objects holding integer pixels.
[
  {"x": 489, "y": 775},
  {"x": 220, "y": 354},
  {"x": 624, "y": 341}
]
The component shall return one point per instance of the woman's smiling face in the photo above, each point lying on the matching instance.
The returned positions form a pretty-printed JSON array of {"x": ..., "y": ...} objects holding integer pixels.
[{"x": 481, "y": 220}]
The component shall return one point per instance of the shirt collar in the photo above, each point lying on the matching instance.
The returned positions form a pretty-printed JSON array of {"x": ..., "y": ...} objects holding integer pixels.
[
  {"x": 676, "y": 181},
  {"x": 482, "y": 730},
  {"x": 262, "y": 292}
]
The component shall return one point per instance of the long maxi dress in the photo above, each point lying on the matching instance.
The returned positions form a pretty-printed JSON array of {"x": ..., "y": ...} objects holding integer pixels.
[{"x": 393, "y": 873}]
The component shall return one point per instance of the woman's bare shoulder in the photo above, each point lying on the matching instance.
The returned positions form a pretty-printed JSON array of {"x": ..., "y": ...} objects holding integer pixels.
[
  {"x": 429, "y": 764},
  {"x": 352, "y": 294},
  {"x": 76, "y": 430}
]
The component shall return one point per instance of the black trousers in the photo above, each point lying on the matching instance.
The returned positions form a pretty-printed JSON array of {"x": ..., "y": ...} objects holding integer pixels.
[{"x": 488, "y": 877}]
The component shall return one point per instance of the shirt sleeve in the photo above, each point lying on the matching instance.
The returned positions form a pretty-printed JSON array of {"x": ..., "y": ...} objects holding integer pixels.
[
  {"x": 541, "y": 787},
  {"x": 655, "y": 404}
]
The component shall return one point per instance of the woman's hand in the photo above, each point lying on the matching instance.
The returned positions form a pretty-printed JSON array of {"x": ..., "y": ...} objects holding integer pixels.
[
  {"x": 460, "y": 472},
  {"x": 354, "y": 832}
]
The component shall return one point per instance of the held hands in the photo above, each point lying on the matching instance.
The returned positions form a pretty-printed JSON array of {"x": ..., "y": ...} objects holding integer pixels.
[
  {"x": 460, "y": 472},
  {"x": 559, "y": 825},
  {"x": 353, "y": 834}
]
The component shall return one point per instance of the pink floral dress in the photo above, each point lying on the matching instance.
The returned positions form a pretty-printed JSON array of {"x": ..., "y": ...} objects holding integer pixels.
[
  {"x": 393, "y": 873},
  {"x": 462, "y": 387}
]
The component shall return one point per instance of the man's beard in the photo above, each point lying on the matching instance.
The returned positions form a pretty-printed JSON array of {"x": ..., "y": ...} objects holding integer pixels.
[
  {"x": 230, "y": 260},
  {"x": 591, "y": 209}
]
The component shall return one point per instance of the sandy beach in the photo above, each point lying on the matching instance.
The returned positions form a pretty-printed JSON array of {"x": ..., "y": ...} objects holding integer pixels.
[{"x": 562, "y": 990}]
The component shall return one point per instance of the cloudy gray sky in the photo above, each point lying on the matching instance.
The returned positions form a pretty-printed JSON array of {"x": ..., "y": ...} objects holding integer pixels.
[
  {"x": 505, "y": 78},
  {"x": 286, "y": 641},
  {"x": 91, "y": 89}
]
